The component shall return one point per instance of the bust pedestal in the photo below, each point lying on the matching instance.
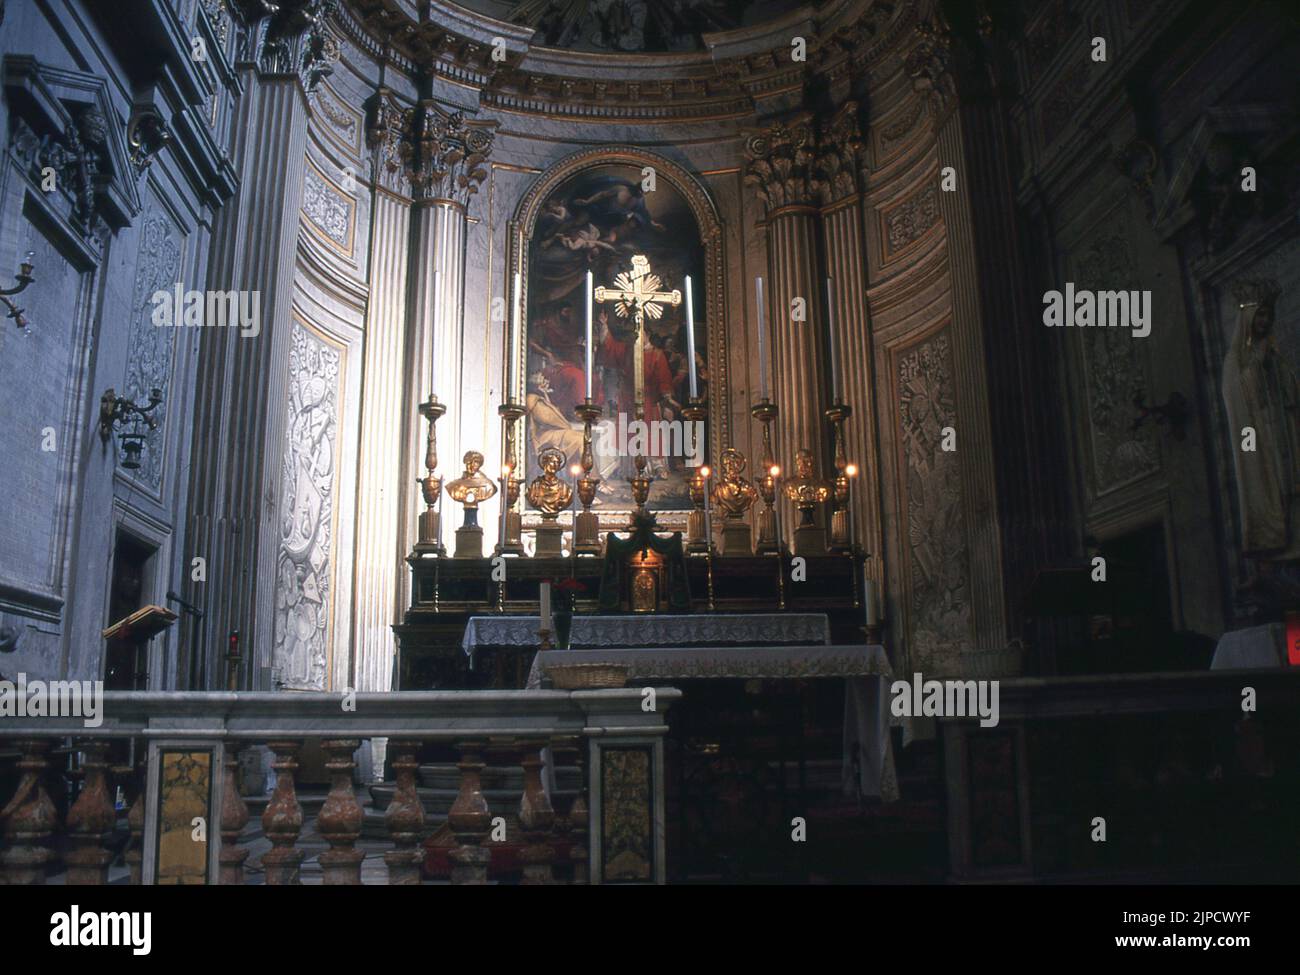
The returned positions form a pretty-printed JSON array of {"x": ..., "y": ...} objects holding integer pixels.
[
  {"x": 428, "y": 539},
  {"x": 809, "y": 540},
  {"x": 469, "y": 542},
  {"x": 737, "y": 539},
  {"x": 550, "y": 539}
]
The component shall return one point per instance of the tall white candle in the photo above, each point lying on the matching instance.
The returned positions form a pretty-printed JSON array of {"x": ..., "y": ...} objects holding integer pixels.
[
  {"x": 872, "y": 610},
  {"x": 433, "y": 327},
  {"x": 505, "y": 502},
  {"x": 835, "y": 343},
  {"x": 762, "y": 342},
  {"x": 516, "y": 333},
  {"x": 544, "y": 616},
  {"x": 590, "y": 284},
  {"x": 690, "y": 337}
]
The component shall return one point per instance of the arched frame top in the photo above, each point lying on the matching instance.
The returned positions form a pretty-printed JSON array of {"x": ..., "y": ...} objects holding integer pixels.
[{"x": 710, "y": 226}]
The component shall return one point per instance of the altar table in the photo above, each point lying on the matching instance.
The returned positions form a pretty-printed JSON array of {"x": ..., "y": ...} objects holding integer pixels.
[{"x": 868, "y": 761}]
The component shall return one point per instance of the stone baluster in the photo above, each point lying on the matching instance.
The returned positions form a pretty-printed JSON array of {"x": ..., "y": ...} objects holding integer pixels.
[
  {"x": 133, "y": 779},
  {"x": 470, "y": 819},
  {"x": 91, "y": 820},
  {"x": 561, "y": 757},
  {"x": 282, "y": 818},
  {"x": 536, "y": 817},
  {"x": 340, "y": 817},
  {"x": 234, "y": 817},
  {"x": 578, "y": 820},
  {"x": 404, "y": 817},
  {"x": 29, "y": 819}
]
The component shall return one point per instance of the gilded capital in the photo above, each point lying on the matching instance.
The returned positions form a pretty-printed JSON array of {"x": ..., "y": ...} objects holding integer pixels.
[
  {"x": 839, "y": 154},
  {"x": 779, "y": 162},
  {"x": 445, "y": 153}
]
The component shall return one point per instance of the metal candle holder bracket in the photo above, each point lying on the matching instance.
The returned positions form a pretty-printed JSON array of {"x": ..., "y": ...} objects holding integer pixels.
[
  {"x": 430, "y": 537},
  {"x": 24, "y": 279},
  {"x": 117, "y": 411}
]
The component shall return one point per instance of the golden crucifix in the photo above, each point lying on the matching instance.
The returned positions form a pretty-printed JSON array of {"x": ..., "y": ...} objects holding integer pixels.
[{"x": 637, "y": 294}]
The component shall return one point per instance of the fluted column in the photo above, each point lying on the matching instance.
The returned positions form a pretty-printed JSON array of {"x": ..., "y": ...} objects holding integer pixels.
[
  {"x": 91, "y": 820},
  {"x": 844, "y": 246},
  {"x": 380, "y": 489},
  {"x": 779, "y": 165},
  {"x": 446, "y": 157},
  {"x": 241, "y": 400}
]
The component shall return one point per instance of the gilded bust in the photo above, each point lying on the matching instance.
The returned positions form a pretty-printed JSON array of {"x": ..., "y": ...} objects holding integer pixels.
[
  {"x": 805, "y": 489},
  {"x": 547, "y": 492},
  {"x": 471, "y": 487},
  {"x": 734, "y": 494}
]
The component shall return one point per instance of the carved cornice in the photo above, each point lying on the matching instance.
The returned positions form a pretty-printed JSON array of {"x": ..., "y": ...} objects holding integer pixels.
[{"x": 929, "y": 62}]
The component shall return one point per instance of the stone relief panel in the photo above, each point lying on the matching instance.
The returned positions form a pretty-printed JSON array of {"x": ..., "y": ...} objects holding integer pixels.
[
  {"x": 343, "y": 124},
  {"x": 893, "y": 133},
  {"x": 909, "y": 221},
  {"x": 1061, "y": 103},
  {"x": 328, "y": 210},
  {"x": 304, "y": 586},
  {"x": 939, "y": 621},
  {"x": 157, "y": 268},
  {"x": 1114, "y": 374}
]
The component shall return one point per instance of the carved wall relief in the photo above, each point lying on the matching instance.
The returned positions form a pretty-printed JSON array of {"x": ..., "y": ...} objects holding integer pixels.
[
  {"x": 157, "y": 268},
  {"x": 907, "y": 222},
  {"x": 1114, "y": 375},
  {"x": 304, "y": 585},
  {"x": 937, "y": 614},
  {"x": 328, "y": 209}
]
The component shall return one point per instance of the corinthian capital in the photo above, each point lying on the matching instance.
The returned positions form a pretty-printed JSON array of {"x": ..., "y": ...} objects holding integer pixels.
[
  {"x": 446, "y": 153},
  {"x": 839, "y": 151},
  {"x": 779, "y": 162},
  {"x": 388, "y": 126}
]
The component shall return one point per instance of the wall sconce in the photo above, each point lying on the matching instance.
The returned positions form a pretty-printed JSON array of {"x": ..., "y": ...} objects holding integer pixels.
[
  {"x": 24, "y": 279},
  {"x": 116, "y": 411}
]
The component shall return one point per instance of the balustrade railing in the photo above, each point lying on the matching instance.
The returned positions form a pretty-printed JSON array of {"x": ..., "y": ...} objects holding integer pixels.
[{"x": 187, "y": 747}]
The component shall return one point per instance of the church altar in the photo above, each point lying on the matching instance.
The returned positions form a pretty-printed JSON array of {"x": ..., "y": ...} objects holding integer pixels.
[{"x": 867, "y": 763}]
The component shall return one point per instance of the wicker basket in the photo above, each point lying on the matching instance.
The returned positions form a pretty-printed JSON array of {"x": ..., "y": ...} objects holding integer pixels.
[{"x": 587, "y": 677}]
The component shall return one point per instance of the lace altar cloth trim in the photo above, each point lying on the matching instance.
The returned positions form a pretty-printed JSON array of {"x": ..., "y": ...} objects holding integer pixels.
[
  {"x": 655, "y": 631},
  {"x": 687, "y": 663}
]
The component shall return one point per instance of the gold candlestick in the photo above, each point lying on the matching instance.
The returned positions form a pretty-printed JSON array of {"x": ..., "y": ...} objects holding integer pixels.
[
  {"x": 765, "y": 412},
  {"x": 695, "y": 411},
  {"x": 587, "y": 529},
  {"x": 840, "y": 540},
  {"x": 430, "y": 536},
  {"x": 512, "y": 543}
]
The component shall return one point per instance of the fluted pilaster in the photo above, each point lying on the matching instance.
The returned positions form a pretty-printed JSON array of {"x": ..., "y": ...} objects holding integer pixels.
[{"x": 241, "y": 401}]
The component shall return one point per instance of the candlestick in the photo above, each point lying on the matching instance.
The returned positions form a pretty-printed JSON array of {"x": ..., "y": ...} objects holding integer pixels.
[
  {"x": 690, "y": 338},
  {"x": 589, "y": 289},
  {"x": 708, "y": 532},
  {"x": 871, "y": 611},
  {"x": 544, "y": 615},
  {"x": 587, "y": 526},
  {"x": 762, "y": 342},
  {"x": 511, "y": 542},
  {"x": 574, "y": 471},
  {"x": 841, "y": 539},
  {"x": 835, "y": 351},
  {"x": 765, "y": 412},
  {"x": 505, "y": 505},
  {"x": 430, "y": 536}
]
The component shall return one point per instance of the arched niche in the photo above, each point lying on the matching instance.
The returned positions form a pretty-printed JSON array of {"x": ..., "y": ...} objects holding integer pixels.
[{"x": 534, "y": 223}]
